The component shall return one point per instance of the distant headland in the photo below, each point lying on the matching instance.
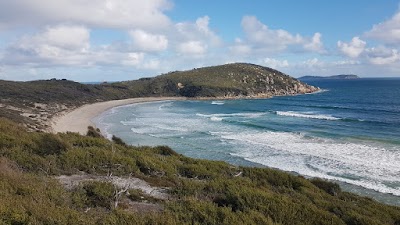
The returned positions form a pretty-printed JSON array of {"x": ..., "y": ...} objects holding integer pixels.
[{"x": 339, "y": 77}]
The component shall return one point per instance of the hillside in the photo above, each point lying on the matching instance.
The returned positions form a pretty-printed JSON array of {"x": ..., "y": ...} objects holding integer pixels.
[
  {"x": 35, "y": 103},
  {"x": 341, "y": 76},
  {"x": 73, "y": 179},
  {"x": 225, "y": 81}
]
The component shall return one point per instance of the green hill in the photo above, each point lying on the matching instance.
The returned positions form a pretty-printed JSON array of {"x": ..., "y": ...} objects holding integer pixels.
[
  {"x": 73, "y": 179},
  {"x": 34, "y": 103},
  {"x": 230, "y": 81}
]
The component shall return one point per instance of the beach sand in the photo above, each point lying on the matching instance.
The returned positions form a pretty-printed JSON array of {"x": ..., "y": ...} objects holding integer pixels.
[{"x": 80, "y": 118}]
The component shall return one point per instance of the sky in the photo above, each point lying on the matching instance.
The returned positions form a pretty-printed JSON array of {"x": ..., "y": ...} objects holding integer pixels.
[{"x": 115, "y": 40}]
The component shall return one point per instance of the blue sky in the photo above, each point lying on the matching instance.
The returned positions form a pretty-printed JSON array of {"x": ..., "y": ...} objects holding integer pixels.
[{"x": 109, "y": 40}]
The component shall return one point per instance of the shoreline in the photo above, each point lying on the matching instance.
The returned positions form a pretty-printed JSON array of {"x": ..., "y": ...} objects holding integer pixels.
[{"x": 78, "y": 120}]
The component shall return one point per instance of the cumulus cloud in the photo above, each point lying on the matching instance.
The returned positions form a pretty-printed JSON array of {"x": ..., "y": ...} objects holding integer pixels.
[
  {"x": 192, "y": 48},
  {"x": 275, "y": 63},
  {"x": 152, "y": 64},
  {"x": 133, "y": 59},
  {"x": 145, "y": 41},
  {"x": 69, "y": 45},
  {"x": 195, "y": 38},
  {"x": 240, "y": 48},
  {"x": 346, "y": 62},
  {"x": 314, "y": 62},
  {"x": 316, "y": 44},
  {"x": 382, "y": 56},
  {"x": 261, "y": 35},
  {"x": 197, "y": 31},
  {"x": 60, "y": 44},
  {"x": 387, "y": 31},
  {"x": 147, "y": 14},
  {"x": 352, "y": 49},
  {"x": 260, "y": 39}
]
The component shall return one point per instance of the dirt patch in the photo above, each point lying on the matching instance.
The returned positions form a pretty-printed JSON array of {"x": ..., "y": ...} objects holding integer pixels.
[{"x": 69, "y": 182}]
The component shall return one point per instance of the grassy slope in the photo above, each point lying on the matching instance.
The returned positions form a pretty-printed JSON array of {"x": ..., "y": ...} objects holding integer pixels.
[{"x": 202, "y": 192}]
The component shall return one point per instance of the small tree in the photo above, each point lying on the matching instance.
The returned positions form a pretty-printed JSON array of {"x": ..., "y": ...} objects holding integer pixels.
[
  {"x": 92, "y": 132},
  {"x": 118, "y": 141}
]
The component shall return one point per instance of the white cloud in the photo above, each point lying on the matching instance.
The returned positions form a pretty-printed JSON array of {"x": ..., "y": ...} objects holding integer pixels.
[
  {"x": 275, "y": 64},
  {"x": 133, "y": 59},
  {"x": 60, "y": 45},
  {"x": 314, "y": 62},
  {"x": 192, "y": 48},
  {"x": 195, "y": 38},
  {"x": 147, "y": 14},
  {"x": 382, "y": 56},
  {"x": 346, "y": 62},
  {"x": 240, "y": 48},
  {"x": 67, "y": 37},
  {"x": 68, "y": 46},
  {"x": 316, "y": 44},
  {"x": 148, "y": 42},
  {"x": 198, "y": 31},
  {"x": 153, "y": 64},
  {"x": 387, "y": 31},
  {"x": 352, "y": 49},
  {"x": 261, "y": 36},
  {"x": 260, "y": 39}
]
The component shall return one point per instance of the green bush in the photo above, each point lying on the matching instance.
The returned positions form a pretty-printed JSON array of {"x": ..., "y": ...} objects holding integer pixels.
[
  {"x": 164, "y": 150},
  {"x": 49, "y": 144},
  {"x": 92, "y": 132},
  {"x": 99, "y": 194},
  {"x": 329, "y": 187},
  {"x": 118, "y": 141}
]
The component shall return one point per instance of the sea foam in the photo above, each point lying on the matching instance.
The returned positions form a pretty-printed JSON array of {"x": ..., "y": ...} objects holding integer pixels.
[
  {"x": 217, "y": 102},
  {"x": 306, "y": 115},
  {"x": 369, "y": 166}
]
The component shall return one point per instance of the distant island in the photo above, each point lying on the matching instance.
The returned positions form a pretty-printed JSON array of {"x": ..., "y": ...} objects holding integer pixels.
[{"x": 339, "y": 77}]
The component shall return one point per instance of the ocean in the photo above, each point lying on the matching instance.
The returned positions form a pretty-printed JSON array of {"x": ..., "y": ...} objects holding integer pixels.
[{"x": 348, "y": 133}]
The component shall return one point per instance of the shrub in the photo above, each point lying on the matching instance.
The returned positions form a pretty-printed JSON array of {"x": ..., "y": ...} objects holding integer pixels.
[
  {"x": 118, "y": 141},
  {"x": 164, "y": 150},
  {"x": 99, "y": 194},
  {"x": 93, "y": 132},
  {"x": 49, "y": 144},
  {"x": 329, "y": 187}
]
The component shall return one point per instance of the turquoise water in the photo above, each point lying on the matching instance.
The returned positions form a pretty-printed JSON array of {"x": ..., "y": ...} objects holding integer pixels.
[{"x": 349, "y": 132}]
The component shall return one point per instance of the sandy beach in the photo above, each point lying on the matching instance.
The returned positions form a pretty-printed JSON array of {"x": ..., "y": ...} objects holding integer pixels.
[{"x": 80, "y": 118}]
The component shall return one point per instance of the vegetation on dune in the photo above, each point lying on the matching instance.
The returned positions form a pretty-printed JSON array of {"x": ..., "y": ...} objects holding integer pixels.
[{"x": 199, "y": 191}]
